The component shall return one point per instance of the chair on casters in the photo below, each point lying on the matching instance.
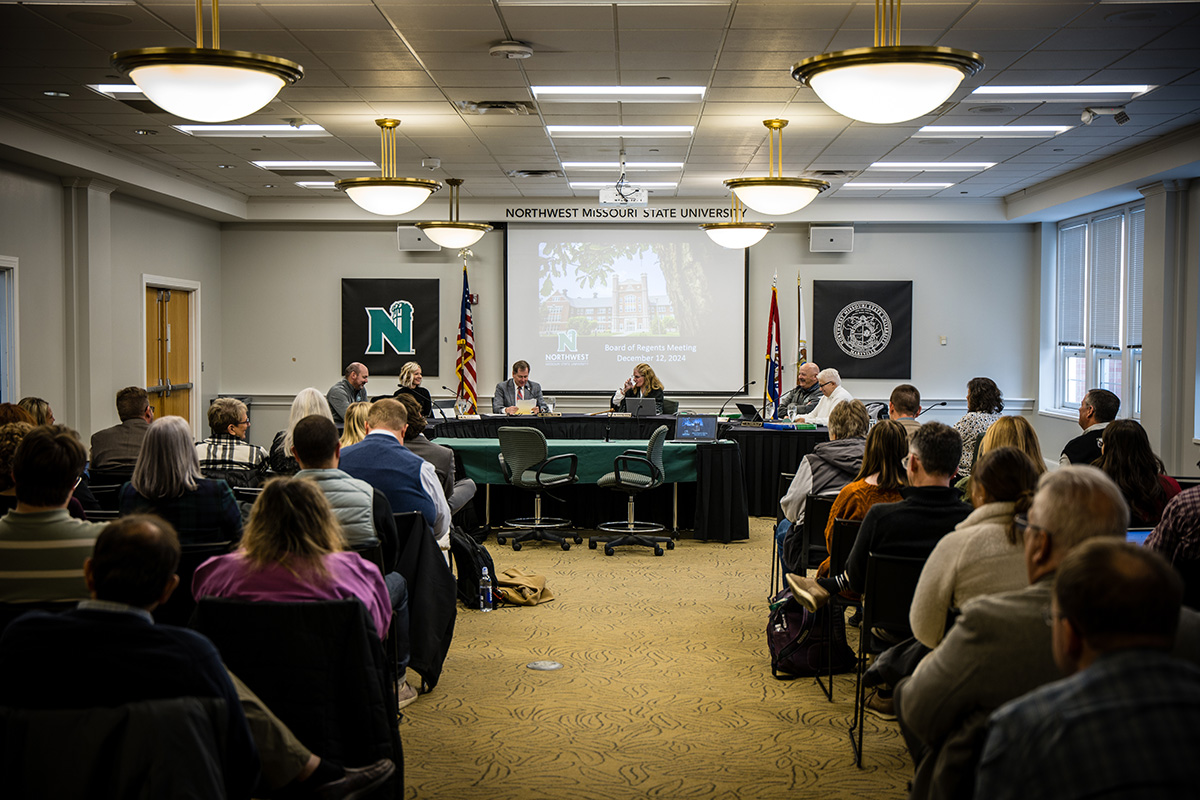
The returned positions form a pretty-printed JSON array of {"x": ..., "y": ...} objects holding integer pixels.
[
  {"x": 631, "y": 481},
  {"x": 525, "y": 459}
]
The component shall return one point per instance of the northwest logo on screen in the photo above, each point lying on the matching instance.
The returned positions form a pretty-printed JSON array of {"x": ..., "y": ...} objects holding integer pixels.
[
  {"x": 862, "y": 329},
  {"x": 567, "y": 341},
  {"x": 392, "y": 325}
]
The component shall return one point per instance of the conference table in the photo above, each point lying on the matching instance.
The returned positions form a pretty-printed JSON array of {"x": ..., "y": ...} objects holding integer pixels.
[{"x": 703, "y": 490}]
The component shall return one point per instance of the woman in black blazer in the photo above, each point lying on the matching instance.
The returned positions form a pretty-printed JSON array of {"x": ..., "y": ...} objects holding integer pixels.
[{"x": 643, "y": 383}]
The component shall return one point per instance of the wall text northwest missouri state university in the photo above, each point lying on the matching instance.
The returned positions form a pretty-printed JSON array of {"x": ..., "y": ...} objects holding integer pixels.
[{"x": 618, "y": 213}]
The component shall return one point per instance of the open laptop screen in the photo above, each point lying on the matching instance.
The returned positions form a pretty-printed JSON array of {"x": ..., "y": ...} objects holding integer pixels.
[{"x": 702, "y": 428}]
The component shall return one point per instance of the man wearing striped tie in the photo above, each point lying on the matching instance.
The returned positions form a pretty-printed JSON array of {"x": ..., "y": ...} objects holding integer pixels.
[{"x": 518, "y": 387}]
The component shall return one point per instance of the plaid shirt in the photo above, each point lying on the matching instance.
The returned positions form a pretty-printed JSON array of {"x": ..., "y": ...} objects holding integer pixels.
[
  {"x": 1177, "y": 537},
  {"x": 223, "y": 451}
]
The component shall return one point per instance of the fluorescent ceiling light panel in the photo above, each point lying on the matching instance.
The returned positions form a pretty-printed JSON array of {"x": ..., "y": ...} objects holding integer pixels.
[
  {"x": 991, "y": 131},
  {"x": 869, "y": 185},
  {"x": 636, "y": 165},
  {"x": 331, "y": 166},
  {"x": 621, "y": 94},
  {"x": 621, "y": 131},
  {"x": 117, "y": 91},
  {"x": 632, "y": 185},
  {"x": 1110, "y": 93},
  {"x": 252, "y": 131},
  {"x": 930, "y": 166},
  {"x": 1123, "y": 88},
  {"x": 315, "y": 184},
  {"x": 613, "y": 3}
]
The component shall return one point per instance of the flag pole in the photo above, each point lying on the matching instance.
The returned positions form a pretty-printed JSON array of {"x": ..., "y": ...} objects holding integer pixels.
[{"x": 801, "y": 330}]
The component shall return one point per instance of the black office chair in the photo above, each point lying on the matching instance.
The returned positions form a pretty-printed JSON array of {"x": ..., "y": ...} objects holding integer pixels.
[
  {"x": 887, "y": 597},
  {"x": 108, "y": 495},
  {"x": 776, "y": 586},
  {"x": 670, "y": 407},
  {"x": 526, "y": 462},
  {"x": 817, "y": 508},
  {"x": 635, "y": 472},
  {"x": 180, "y": 605},
  {"x": 845, "y": 531}
]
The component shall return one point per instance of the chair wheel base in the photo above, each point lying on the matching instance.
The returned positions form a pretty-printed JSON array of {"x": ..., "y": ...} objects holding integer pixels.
[
  {"x": 608, "y": 551},
  {"x": 591, "y": 545}
]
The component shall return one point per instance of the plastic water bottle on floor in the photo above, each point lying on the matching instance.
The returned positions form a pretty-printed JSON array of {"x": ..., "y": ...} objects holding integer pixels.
[{"x": 485, "y": 592}]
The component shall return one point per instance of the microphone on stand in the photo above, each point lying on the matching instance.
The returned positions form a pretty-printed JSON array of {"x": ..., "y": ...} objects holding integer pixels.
[
  {"x": 744, "y": 387},
  {"x": 439, "y": 408},
  {"x": 935, "y": 405}
]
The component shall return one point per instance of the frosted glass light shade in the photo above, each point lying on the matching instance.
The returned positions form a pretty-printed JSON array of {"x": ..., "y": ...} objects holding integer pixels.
[
  {"x": 387, "y": 197},
  {"x": 207, "y": 85},
  {"x": 737, "y": 235},
  {"x": 776, "y": 196},
  {"x": 454, "y": 235},
  {"x": 884, "y": 85}
]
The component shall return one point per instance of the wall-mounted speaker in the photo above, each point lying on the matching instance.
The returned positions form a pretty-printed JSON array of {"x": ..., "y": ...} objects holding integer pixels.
[
  {"x": 831, "y": 239},
  {"x": 411, "y": 238}
]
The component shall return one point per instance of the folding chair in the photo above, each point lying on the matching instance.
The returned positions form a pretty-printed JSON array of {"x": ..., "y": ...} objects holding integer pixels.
[
  {"x": 785, "y": 480},
  {"x": 817, "y": 508},
  {"x": 887, "y": 598},
  {"x": 845, "y": 531}
]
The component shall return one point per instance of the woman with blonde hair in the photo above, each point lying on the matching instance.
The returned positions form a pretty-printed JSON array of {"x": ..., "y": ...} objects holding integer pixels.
[
  {"x": 167, "y": 481},
  {"x": 643, "y": 383},
  {"x": 356, "y": 423},
  {"x": 293, "y": 552},
  {"x": 410, "y": 383},
  {"x": 39, "y": 409},
  {"x": 1007, "y": 431},
  {"x": 307, "y": 403}
]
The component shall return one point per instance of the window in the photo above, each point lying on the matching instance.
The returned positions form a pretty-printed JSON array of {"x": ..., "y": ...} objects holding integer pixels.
[{"x": 1099, "y": 307}]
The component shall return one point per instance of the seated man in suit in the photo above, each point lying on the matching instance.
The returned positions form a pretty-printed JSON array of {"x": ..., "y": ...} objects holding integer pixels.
[
  {"x": 458, "y": 492},
  {"x": 1125, "y": 720},
  {"x": 108, "y": 653},
  {"x": 410, "y": 482},
  {"x": 518, "y": 387},
  {"x": 1098, "y": 408},
  {"x": 116, "y": 449}
]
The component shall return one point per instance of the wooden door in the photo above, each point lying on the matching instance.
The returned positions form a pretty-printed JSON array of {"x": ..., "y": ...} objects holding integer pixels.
[{"x": 168, "y": 351}]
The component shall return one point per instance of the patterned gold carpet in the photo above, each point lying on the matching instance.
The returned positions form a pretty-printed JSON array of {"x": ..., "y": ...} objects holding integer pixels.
[{"x": 665, "y": 691}]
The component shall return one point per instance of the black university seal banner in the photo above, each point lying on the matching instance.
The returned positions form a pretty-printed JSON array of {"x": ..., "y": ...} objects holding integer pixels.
[
  {"x": 863, "y": 329},
  {"x": 387, "y": 322}
]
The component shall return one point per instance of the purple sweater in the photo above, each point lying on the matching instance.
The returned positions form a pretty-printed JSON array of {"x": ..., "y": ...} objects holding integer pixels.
[{"x": 350, "y": 576}]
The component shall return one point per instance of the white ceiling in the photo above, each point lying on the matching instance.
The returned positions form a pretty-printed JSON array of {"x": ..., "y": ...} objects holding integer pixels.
[{"x": 365, "y": 60}]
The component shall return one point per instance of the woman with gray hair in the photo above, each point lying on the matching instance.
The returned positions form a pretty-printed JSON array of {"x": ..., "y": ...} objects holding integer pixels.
[
  {"x": 308, "y": 402},
  {"x": 166, "y": 481}
]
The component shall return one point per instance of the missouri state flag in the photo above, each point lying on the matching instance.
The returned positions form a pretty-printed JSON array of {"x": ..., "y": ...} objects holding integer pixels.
[{"x": 774, "y": 356}]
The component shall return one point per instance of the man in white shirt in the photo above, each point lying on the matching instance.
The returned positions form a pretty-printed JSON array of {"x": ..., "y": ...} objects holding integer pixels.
[{"x": 830, "y": 382}]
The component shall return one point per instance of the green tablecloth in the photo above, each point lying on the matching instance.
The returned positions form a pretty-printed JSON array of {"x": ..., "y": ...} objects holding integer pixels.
[{"x": 479, "y": 458}]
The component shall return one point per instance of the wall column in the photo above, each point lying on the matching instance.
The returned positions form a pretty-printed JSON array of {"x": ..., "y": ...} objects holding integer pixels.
[{"x": 87, "y": 255}]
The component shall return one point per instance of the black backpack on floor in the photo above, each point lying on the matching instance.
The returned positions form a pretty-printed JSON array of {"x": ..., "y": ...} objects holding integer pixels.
[
  {"x": 797, "y": 640},
  {"x": 470, "y": 557}
]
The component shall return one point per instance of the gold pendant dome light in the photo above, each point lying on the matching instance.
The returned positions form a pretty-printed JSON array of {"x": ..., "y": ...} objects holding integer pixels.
[
  {"x": 776, "y": 195},
  {"x": 454, "y": 234},
  {"x": 388, "y": 195}
]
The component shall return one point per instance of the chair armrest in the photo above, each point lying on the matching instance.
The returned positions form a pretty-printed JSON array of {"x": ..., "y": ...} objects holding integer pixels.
[
  {"x": 634, "y": 453},
  {"x": 620, "y": 463},
  {"x": 504, "y": 467},
  {"x": 569, "y": 476}
]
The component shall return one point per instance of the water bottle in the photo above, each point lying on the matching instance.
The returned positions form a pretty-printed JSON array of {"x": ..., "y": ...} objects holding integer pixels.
[
  {"x": 791, "y": 410},
  {"x": 485, "y": 592}
]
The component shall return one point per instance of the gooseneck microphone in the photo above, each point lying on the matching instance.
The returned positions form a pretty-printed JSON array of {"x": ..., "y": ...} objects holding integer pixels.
[
  {"x": 935, "y": 405},
  {"x": 442, "y": 410},
  {"x": 744, "y": 387}
]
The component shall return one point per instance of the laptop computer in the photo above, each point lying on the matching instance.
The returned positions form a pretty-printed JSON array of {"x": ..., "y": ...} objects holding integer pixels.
[
  {"x": 641, "y": 406},
  {"x": 749, "y": 412},
  {"x": 1138, "y": 535},
  {"x": 698, "y": 429}
]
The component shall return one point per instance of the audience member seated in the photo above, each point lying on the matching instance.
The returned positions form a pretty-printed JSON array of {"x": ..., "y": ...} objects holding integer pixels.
[
  {"x": 1000, "y": 646},
  {"x": 352, "y": 388},
  {"x": 984, "y": 404},
  {"x": 904, "y": 405},
  {"x": 129, "y": 659},
  {"x": 308, "y": 402},
  {"x": 410, "y": 384},
  {"x": 930, "y": 509},
  {"x": 44, "y": 547},
  {"x": 115, "y": 449},
  {"x": 1124, "y": 722},
  {"x": 1098, "y": 408},
  {"x": 410, "y": 483},
  {"x": 226, "y": 452},
  {"x": 1126, "y": 457},
  {"x": 458, "y": 493},
  {"x": 1177, "y": 535},
  {"x": 166, "y": 481},
  {"x": 880, "y": 480},
  {"x": 11, "y": 435},
  {"x": 39, "y": 409},
  {"x": 293, "y": 551},
  {"x": 984, "y": 553},
  {"x": 643, "y": 383},
  {"x": 11, "y": 412},
  {"x": 355, "y": 429},
  {"x": 807, "y": 393},
  {"x": 1007, "y": 432},
  {"x": 830, "y": 466},
  {"x": 830, "y": 381}
]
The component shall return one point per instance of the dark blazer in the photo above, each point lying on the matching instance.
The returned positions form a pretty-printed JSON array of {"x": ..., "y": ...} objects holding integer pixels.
[
  {"x": 1084, "y": 448},
  {"x": 440, "y": 456},
  {"x": 506, "y": 395},
  {"x": 422, "y": 395},
  {"x": 655, "y": 394},
  {"x": 116, "y": 449}
]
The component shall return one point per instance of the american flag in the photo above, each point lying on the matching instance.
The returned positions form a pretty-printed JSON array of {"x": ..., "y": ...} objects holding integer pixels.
[
  {"x": 801, "y": 331},
  {"x": 774, "y": 357},
  {"x": 464, "y": 366}
]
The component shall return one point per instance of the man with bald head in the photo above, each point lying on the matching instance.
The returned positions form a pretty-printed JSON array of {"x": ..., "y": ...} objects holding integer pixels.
[
  {"x": 352, "y": 388},
  {"x": 1125, "y": 720},
  {"x": 1000, "y": 646},
  {"x": 807, "y": 393}
]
